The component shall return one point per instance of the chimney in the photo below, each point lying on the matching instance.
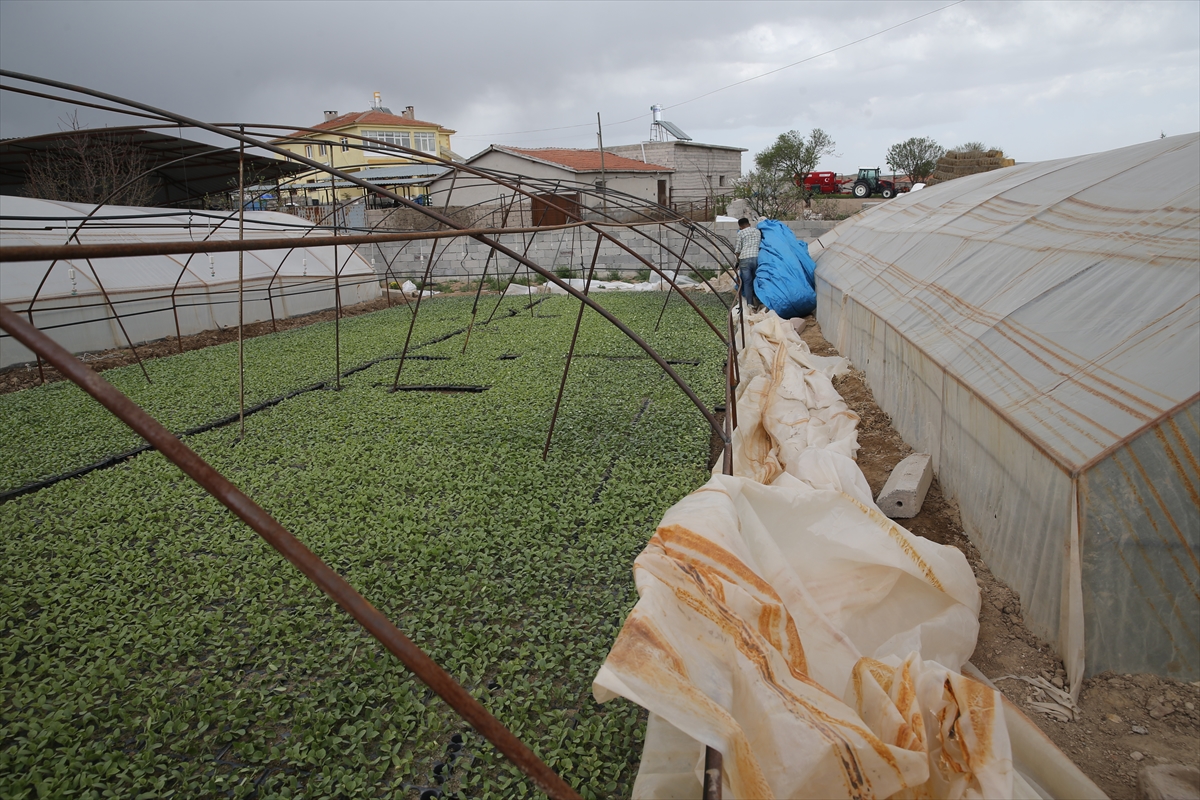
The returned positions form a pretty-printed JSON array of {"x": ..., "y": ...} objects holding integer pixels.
[
  {"x": 409, "y": 113},
  {"x": 330, "y": 115},
  {"x": 376, "y": 102}
]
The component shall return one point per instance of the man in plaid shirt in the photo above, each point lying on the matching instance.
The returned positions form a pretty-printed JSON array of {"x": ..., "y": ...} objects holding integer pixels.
[{"x": 748, "y": 239}]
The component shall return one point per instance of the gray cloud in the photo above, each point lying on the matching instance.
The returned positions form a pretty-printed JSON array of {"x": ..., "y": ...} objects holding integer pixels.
[{"x": 1042, "y": 79}]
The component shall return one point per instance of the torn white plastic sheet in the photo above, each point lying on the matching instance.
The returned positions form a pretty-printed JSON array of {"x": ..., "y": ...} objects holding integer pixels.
[
  {"x": 410, "y": 289},
  {"x": 785, "y": 622}
]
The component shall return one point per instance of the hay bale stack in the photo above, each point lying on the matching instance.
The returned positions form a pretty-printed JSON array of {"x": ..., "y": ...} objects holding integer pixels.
[{"x": 955, "y": 164}]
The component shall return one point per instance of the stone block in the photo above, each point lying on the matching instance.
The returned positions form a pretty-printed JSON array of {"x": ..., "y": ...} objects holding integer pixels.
[
  {"x": 1169, "y": 782},
  {"x": 906, "y": 487}
]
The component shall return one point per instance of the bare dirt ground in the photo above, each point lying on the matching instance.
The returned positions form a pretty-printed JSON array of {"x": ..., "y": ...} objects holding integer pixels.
[{"x": 1127, "y": 721}]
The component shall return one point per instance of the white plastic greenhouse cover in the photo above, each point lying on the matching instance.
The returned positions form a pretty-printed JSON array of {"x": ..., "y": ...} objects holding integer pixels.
[
  {"x": 1037, "y": 330},
  {"x": 76, "y": 314}
]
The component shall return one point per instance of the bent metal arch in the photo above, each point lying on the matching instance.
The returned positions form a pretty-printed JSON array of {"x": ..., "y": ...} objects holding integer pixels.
[{"x": 253, "y": 515}]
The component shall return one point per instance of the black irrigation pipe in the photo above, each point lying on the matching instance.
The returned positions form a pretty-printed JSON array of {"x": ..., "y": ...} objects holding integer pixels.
[
  {"x": 689, "y": 362},
  {"x": 447, "y": 388},
  {"x": 613, "y": 461}
]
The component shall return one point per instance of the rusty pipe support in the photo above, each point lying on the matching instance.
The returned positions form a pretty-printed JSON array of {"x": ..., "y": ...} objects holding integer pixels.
[{"x": 447, "y": 221}]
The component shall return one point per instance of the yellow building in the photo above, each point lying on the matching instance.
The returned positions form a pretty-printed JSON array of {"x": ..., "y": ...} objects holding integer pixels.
[{"x": 336, "y": 146}]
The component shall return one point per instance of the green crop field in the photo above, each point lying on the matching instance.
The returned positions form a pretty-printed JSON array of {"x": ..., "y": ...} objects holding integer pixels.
[{"x": 153, "y": 646}]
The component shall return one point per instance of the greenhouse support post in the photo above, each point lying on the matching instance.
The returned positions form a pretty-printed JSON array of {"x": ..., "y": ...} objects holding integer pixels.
[
  {"x": 571, "y": 350},
  {"x": 241, "y": 288},
  {"x": 450, "y": 223},
  {"x": 416, "y": 310},
  {"x": 671, "y": 288}
]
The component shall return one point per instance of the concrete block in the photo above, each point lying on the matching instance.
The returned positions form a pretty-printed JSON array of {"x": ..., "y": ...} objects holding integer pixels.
[
  {"x": 906, "y": 487},
  {"x": 1169, "y": 782}
]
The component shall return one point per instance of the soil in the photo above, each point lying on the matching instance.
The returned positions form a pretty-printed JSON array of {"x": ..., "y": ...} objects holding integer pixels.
[{"x": 1126, "y": 722}]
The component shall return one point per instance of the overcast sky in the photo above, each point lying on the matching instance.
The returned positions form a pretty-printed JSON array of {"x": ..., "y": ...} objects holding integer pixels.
[{"x": 1042, "y": 79}]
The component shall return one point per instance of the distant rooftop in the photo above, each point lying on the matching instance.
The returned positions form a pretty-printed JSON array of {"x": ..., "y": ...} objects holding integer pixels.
[
  {"x": 578, "y": 160},
  {"x": 373, "y": 116}
]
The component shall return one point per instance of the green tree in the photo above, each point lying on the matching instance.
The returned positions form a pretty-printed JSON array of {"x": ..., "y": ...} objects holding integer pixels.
[
  {"x": 916, "y": 158},
  {"x": 793, "y": 156},
  {"x": 775, "y": 187}
]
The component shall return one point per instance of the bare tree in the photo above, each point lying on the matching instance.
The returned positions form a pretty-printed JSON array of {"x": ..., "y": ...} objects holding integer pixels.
[
  {"x": 768, "y": 194},
  {"x": 91, "y": 167}
]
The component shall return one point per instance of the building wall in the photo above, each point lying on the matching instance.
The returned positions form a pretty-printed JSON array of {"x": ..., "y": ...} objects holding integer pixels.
[
  {"x": 469, "y": 190},
  {"x": 463, "y": 257},
  {"x": 353, "y": 159},
  {"x": 698, "y": 167}
]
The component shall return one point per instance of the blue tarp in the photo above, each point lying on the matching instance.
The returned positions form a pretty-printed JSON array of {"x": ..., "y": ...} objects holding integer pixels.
[{"x": 784, "y": 282}]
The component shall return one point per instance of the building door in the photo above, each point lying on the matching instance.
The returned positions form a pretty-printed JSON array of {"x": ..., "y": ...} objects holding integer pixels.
[
  {"x": 552, "y": 209},
  {"x": 662, "y": 193}
]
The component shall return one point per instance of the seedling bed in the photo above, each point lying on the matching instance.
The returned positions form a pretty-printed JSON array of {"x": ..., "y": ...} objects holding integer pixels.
[{"x": 154, "y": 645}]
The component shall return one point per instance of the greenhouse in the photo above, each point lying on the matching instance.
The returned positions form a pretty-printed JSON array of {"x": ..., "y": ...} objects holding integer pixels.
[
  {"x": 1035, "y": 329},
  {"x": 98, "y": 304}
]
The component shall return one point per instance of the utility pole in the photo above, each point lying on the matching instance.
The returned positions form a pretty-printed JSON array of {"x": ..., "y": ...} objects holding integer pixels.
[{"x": 603, "y": 178}]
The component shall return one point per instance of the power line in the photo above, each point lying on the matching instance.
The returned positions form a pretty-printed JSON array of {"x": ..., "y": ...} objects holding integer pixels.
[
  {"x": 729, "y": 86},
  {"x": 818, "y": 55}
]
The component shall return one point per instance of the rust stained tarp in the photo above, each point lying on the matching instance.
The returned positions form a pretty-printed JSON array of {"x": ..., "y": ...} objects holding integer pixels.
[{"x": 785, "y": 622}]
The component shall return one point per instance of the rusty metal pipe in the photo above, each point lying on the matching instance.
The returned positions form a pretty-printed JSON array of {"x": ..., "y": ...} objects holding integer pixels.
[
  {"x": 570, "y": 352},
  {"x": 50, "y": 252},
  {"x": 450, "y": 223},
  {"x": 291, "y": 548}
]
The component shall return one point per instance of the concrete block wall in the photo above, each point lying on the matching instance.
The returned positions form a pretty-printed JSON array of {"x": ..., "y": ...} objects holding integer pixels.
[{"x": 465, "y": 258}]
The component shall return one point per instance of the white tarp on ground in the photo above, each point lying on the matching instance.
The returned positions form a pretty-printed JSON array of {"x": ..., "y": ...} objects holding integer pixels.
[
  {"x": 785, "y": 622},
  {"x": 76, "y": 314},
  {"x": 1036, "y": 329}
]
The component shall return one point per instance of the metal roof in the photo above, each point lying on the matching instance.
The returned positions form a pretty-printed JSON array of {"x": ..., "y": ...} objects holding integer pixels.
[{"x": 206, "y": 170}]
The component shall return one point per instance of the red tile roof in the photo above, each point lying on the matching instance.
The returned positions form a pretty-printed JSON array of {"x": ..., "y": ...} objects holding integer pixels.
[
  {"x": 585, "y": 160},
  {"x": 371, "y": 117}
]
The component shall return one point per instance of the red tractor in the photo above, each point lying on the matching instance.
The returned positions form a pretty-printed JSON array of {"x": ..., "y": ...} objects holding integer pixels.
[
  {"x": 868, "y": 183},
  {"x": 820, "y": 182}
]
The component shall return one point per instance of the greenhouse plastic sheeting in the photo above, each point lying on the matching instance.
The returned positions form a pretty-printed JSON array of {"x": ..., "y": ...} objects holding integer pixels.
[
  {"x": 1036, "y": 329},
  {"x": 784, "y": 280},
  {"x": 151, "y": 292},
  {"x": 785, "y": 622}
]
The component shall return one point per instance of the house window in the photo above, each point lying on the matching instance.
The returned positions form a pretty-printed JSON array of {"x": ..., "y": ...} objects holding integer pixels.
[
  {"x": 389, "y": 137},
  {"x": 425, "y": 142},
  {"x": 308, "y": 151},
  {"x": 720, "y": 180},
  {"x": 346, "y": 147},
  {"x": 320, "y": 149}
]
